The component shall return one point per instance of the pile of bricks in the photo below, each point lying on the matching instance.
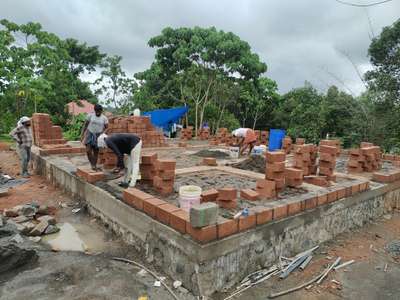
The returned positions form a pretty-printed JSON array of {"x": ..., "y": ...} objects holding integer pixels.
[
  {"x": 45, "y": 133},
  {"x": 227, "y": 197},
  {"x": 287, "y": 144},
  {"x": 164, "y": 179},
  {"x": 204, "y": 134},
  {"x": 140, "y": 126},
  {"x": 332, "y": 143},
  {"x": 107, "y": 158},
  {"x": 293, "y": 177},
  {"x": 148, "y": 168},
  {"x": 327, "y": 160},
  {"x": 275, "y": 168},
  {"x": 187, "y": 133},
  {"x": 89, "y": 175},
  {"x": 222, "y": 136},
  {"x": 306, "y": 158},
  {"x": 264, "y": 137},
  {"x": 364, "y": 159}
]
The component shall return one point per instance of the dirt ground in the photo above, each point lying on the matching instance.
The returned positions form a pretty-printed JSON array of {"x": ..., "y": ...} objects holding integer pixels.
[{"x": 94, "y": 275}]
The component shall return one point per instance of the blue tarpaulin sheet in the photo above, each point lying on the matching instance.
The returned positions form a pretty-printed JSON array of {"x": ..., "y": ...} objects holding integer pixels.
[{"x": 164, "y": 118}]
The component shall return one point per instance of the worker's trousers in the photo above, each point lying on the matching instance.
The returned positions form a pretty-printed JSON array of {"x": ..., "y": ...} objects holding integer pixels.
[
  {"x": 24, "y": 154},
  {"x": 132, "y": 165}
]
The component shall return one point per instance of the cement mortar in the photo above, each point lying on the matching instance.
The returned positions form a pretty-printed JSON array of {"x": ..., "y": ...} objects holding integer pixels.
[{"x": 205, "y": 269}]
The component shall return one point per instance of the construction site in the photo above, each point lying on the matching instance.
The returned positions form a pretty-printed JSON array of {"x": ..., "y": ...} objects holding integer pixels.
[{"x": 249, "y": 215}]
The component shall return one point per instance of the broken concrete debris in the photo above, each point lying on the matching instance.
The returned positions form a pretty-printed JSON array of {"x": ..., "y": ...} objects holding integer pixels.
[{"x": 29, "y": 221}]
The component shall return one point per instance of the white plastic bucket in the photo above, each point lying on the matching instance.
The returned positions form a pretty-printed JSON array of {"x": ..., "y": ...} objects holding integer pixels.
[
  {"x": 234, "y": 152},
  {"x": 189, "y": 195}
]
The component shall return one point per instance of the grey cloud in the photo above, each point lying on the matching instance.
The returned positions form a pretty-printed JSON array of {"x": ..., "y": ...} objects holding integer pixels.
[{"x": 299, "y": 40}]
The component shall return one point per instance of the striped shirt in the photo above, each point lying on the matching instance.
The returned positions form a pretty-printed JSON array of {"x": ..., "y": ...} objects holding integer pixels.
[{"x": 22, "y": 135}]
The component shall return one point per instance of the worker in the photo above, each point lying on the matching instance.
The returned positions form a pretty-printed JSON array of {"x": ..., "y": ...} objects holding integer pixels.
[
  {"x": 247, "y": 137},
  {"x": 22, "y": 134},
  {"x": 96, "y": 123},
  {"x": 120, "y": 144}
]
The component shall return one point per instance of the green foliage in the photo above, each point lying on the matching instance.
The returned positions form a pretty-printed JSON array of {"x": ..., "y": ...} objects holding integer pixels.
[{"x": 74, "y": 127}]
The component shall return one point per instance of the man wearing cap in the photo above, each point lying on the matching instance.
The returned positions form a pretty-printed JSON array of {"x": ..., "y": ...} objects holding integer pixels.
[
  {"x": 247, "y": 137},
  {"x": 96, "y": 123},
  {"x": 22, "y": 134}
]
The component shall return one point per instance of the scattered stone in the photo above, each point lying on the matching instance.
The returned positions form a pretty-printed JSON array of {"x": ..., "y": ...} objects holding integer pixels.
[
  {"x": 43, "y": 210},
  {"x": 27, "y": 210},
  {"x": 4, "y": 192},
  {"x": 34, "y": 204},
  {"x": 17, "y": 239},
  {"x": 35, "y": 239},
  {"x": 51, "y": 220},
  {"x": 394, "y": 248},
  {"x": 39, "y": 228},
  {"x": 21, "y": 219},
  {"x": 12, "y": 257},
  {"x": 177, "y": 284},
  {"x": 25, "y": 228},
  {"x": 10, "y": 213},
  {"x": 51, "y": 229}
]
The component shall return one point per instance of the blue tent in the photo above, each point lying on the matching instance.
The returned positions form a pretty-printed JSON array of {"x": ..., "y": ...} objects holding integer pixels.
[{"x": 164, "y": 118}]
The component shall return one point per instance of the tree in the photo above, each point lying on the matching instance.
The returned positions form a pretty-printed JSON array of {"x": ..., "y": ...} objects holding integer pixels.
[{"x": 115, "y": 84}]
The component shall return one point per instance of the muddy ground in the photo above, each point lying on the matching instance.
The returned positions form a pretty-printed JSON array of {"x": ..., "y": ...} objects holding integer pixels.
[{"x": 94, "y": 275}]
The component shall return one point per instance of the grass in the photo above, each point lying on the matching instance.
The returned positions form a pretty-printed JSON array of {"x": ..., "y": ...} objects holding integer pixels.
[{"x": 5, "y": 138}]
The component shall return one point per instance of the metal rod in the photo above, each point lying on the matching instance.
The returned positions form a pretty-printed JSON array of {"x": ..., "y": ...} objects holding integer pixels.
[
  {"x": 306, "y": 262},
  {"x": 329, "y": 269},
  {"x": 344, "y": 264}
]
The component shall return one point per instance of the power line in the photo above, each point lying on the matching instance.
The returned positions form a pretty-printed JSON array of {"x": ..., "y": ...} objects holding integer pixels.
[{"x": 362, "y": 5}]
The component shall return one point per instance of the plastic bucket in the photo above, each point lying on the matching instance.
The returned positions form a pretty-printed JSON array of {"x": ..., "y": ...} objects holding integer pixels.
[
  {"x": 275, "y": 139},
  {"x": 189, "y": 195}
]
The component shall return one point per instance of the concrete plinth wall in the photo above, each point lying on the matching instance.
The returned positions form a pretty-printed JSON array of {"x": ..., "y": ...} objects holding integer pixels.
[{"x": 205, "y": 269}]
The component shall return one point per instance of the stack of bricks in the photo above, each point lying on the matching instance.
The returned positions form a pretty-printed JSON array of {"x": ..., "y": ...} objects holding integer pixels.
[
  {"x": 264, "y": 137},
  {"x": 327, "y": 160},
  {"x": 287, "y": 144},
  {"x": 258, "y": 136},
  {"x": 90, "y": 175},
  {"x": 45, "y": 134},
  {"x": 140, "y": 126},
  {"x": 227, "y": 197},
  {"x": 293, "y": 177},
  {"x": 107, "y": 158},
  {"x": 148, "y": 168},
  {"x": 306, "y": 158},
  {"x": 164, "y": 176},
  {"x": 204, "y": 134},
  {"x": 365, "y": 159},
  {"x": 187, "y": 133},
  {"x": 275, "y": 168},
  {"x": 266, "y": 188},
  {"x": 221, "y": 136}
]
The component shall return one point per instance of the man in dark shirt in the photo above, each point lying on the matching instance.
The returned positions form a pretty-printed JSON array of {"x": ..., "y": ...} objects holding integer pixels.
[{"x": 120, "y": 144}]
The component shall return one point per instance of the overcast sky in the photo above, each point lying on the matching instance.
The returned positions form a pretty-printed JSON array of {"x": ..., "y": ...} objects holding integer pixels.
[{"x": 298, "y": 39}]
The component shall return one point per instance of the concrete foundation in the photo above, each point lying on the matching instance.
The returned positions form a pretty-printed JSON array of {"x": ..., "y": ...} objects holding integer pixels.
[{"x": 205, "y": 269}]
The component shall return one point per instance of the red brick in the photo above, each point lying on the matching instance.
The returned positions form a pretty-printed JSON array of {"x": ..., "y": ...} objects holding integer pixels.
[
  {"x": 209, "y": 195},
  {"x": 166, "y": 174},
  {"x": 226, "y": 227},
  {"x": 178, "y": 220},
  {"x": 135, "y": 197},
  {"x": 355, "y": 188},
  {"x": 293, "y": 207},
  {"x": 311, "y": 202},
  {"x": 327, "y": 157},
  {"x": 292, "y": 173},
  {"x": 210, "y": 161},
  {"x": 247, "y": 222},
  {"x": 269, "y": 174},
  {"x": 364, "y": 186},
  {"x": 150, "y": 205},
  {"x": 328, "y": 149},
  {"x": 326, "y": 171},
  {"x": 322, "y": 199},
  {"x": 263, "y": 214},
  {"x": 276, "y": 166},
  {"x": 163, "y": 212},
  {"x": 204, "y": 234},
  {"x": 227, "y": 204},
  {"x": 166, "y": 164},
  {"x": 227, "y": 194},
  {"x": 89, "y": 175},
  {"x": 273, "y": 157},
  {"x": 341, "y": 193},
  {"x": 316, "y": 180},
  {"x": 279, "y": 184},
  {"x": 266, "y": 188},
  {"x": 327, "y": 164},
  {"x": 149, "y": 159},
  {"x": 293, "y": 182},
  {"x": 332, "y": 196},
  {"x": 249, "y": 194},
  {"x": 280, "y": 211},
  {"x": 382, "y": 177}
]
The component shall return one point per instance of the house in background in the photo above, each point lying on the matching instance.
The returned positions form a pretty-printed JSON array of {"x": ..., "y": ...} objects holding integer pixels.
[{"x": 80, "y": 107}]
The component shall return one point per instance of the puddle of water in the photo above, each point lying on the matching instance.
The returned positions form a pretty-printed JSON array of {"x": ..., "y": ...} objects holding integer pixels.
[{"x": 67, "y": 239}]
